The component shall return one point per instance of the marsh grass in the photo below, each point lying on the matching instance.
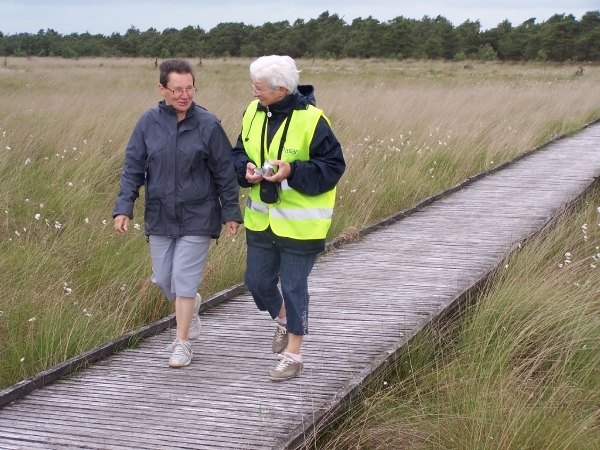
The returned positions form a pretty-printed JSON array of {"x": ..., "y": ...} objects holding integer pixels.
[
  {"x": 519, "y": 368},
  {"x": 409, "y": 129}
]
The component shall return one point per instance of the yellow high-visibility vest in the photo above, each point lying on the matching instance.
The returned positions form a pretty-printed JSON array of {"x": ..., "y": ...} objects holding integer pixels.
[{"x": 295, "y": 215}]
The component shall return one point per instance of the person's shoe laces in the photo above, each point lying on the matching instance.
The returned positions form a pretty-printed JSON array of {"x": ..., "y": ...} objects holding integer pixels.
[
  {"x": 280, "y": 340},
  {"x": 287, "y": 369},
  {"x": 285, "y": 361}
]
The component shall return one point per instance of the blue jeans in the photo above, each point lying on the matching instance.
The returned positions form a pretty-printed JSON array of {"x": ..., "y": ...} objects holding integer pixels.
[{"x": 264, "y": 268}]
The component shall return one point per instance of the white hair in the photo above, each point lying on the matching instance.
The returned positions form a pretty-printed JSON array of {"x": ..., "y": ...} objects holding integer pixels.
[{"x": 276, "y": 71}]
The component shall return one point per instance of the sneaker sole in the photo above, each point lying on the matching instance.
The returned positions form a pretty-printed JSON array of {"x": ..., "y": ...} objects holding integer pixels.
[
  {"x": 286, "y": 379},
  {"x": 177, "y": 365}
]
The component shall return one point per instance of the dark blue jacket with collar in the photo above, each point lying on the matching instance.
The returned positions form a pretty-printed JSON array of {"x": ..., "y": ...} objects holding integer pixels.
[{"x": 190, "y": 185}]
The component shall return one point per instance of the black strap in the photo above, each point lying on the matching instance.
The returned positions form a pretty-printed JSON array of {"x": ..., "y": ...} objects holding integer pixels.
[{"x": 263, "y": 149}]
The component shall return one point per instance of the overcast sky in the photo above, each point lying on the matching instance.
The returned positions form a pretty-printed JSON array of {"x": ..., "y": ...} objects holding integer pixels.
[{"x": 108, "y": 16}]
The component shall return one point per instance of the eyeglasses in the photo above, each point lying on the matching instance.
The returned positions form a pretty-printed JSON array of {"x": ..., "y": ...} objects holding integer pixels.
[
  {"x": 258, "y": 91},
  {"x": 179, "y": 91}
]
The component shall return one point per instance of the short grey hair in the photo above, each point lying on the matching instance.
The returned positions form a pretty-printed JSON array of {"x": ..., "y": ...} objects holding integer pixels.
[{"x": 276, "y": 71}]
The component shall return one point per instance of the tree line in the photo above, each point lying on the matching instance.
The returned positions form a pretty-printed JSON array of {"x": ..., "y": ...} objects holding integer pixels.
[{"x": 560, "y": 38}]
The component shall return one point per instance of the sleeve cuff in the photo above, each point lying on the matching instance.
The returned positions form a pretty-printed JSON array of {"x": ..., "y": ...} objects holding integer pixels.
[{"x": 292, "y": 171}]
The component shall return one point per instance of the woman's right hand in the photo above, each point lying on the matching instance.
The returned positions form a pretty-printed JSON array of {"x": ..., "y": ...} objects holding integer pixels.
[
  {"x": 121, "y": 223},
  {"x": 251, "y": 176}
]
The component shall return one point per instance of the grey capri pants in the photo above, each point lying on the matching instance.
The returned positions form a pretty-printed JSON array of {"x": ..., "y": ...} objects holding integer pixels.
[{"x": 177, "y": 264}]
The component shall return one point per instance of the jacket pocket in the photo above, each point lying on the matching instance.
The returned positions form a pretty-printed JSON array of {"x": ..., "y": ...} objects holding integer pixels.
[
  {"x": 202, "y": 218},
  {"x": 154, "y": 175},
  {"x": 153, "y": 218}
]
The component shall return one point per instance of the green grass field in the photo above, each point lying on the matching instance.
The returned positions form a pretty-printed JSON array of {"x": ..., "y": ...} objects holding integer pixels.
[{"x": 409, "y": 129}]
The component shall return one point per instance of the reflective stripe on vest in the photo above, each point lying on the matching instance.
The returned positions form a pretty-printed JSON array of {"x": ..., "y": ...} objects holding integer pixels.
[
  {"x": 257, "y": 206},
  {"x": 295, "y": 215},
  {"x": 302, "y": 214}
]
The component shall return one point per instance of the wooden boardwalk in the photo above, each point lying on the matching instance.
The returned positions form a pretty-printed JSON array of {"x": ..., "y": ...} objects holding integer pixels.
[{"x": 367, "y": 299}]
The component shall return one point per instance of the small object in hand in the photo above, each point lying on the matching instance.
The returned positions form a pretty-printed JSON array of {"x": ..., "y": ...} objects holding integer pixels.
[{"x": 265, "y": 171}]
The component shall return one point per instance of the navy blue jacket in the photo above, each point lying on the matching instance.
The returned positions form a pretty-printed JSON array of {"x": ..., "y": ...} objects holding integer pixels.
[
  {"x": 317, "y": 175},
  {"x": 190, "y": 186}
]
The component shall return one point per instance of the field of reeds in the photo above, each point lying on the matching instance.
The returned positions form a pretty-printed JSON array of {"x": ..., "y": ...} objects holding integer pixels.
[
  {"x": 518, "y": 369},
  {"x": 409, "y": 129}
]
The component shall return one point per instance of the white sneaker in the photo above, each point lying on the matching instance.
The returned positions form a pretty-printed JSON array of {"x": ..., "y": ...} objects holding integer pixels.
[
  {"x": 182, "y": 353},
  {"x": 195, "y": 325}
]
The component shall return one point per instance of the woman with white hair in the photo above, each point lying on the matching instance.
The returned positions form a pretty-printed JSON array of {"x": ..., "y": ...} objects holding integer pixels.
[{"x": 290, "y": 159}]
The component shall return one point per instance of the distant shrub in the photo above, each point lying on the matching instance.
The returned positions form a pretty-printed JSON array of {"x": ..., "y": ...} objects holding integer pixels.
[
  {"x": 68, "y": 52},
  {"x": 487, "y": 53},
  {"x": 19, "y": 52},
  {"x": 460, "y": 56},
  {"x": 542, "y": 56}
]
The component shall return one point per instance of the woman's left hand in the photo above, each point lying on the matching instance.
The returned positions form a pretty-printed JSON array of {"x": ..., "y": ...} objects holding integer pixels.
[
  {"x": 232, "y": 228},
  {"x": 283, "y": 171}
]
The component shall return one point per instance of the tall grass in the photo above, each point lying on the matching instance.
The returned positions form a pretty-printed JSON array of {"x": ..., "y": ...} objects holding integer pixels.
[
  {"x": 518, "y": 370},
  {"x": 409, "y": 129}
]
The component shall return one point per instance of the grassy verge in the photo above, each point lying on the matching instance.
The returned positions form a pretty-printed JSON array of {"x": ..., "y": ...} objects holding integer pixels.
[
  {"x": 518, "y": 370},
  {"x": 409, "y": 129}
]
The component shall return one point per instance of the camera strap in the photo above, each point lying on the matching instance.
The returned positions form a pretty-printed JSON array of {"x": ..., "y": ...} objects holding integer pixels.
[{"x": 263, "y": 148}]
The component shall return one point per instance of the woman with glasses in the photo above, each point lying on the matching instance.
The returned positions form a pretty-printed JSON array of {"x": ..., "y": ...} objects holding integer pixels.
[
  {"x": 180, "y": 154},
  {"x": 290, "y": 159}
]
